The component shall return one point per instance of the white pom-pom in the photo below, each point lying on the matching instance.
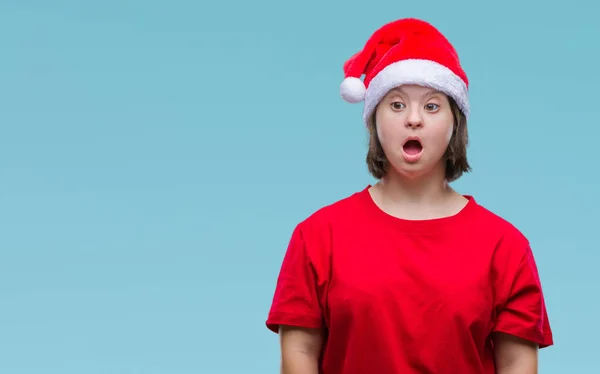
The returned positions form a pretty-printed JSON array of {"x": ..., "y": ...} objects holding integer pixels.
[{"x": 353, "y": 90}]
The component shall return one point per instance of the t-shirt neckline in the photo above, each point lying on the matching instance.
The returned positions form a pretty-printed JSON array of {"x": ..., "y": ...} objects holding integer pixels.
[{"x": 441, "y": 223}]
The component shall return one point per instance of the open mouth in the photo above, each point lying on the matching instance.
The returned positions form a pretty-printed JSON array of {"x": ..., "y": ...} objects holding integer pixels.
[{"x": 412, "y": 147}]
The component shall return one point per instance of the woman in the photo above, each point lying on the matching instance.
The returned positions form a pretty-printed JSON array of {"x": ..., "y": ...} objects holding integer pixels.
[{"x": 408, "y": 275}]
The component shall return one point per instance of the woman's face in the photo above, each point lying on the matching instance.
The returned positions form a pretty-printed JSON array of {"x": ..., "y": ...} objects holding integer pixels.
[{"x": 414, "y": 126}]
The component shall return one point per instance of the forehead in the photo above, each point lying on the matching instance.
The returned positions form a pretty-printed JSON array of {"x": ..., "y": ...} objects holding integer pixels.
[{"x": 414, "y": 90}]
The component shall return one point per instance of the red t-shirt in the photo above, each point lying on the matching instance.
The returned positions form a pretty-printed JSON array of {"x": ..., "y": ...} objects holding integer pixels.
[{"x": 402, "y": 296}]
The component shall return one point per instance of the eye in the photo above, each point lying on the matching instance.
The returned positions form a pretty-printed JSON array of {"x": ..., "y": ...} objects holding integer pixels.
[
  {"x": 396, "y": 105},
  {"x": 432, "y": 107}
]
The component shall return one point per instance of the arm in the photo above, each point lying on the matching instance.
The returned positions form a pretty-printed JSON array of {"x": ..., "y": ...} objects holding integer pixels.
[
  {"x": 514, "y": 355},
  {"x": 522, "y": 326},
  {"x": 300, "y": 350}
]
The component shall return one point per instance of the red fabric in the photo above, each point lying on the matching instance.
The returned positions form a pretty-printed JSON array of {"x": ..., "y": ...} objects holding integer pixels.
[
  {"x": 403, "y": 39},
  {"x": 398, "y": 296}
]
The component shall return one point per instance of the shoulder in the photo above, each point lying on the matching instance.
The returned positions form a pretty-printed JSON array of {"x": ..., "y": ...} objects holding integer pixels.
[
  {"x": 510, "y": 243},
  {"x": 312, "y": 239},
  {"x": 318, "y": 230},
  {"x": 498, "y": 224},
  {"x": 345, "y": 209}
]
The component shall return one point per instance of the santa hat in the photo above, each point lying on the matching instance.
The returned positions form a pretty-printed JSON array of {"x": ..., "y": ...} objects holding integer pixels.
[{"x": 406, "y": 51}]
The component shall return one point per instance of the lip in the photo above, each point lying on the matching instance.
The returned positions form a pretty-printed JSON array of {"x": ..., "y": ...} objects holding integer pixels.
[
  {"x": 412, "y": 138},
  {"x": 415, "y": 157}
]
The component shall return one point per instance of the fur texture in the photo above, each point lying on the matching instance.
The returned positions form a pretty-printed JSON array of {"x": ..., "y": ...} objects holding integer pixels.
[
  {"x": 401, "y": 52},
  {"x": 422, "y": 72}
]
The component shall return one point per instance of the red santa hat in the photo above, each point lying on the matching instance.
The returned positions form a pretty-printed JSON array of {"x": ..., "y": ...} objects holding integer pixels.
[{"x": 406, "y": 51}]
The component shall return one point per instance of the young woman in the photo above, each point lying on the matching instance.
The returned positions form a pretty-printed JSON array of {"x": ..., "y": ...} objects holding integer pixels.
[{"x": 408, "y": 275}]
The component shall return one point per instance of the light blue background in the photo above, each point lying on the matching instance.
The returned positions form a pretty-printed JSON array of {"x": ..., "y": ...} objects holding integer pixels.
[{"x": 155, "y": 156}]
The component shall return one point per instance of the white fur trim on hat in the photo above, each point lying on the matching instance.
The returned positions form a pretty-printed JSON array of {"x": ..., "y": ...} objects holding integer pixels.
[{"x": 421, "y": 72}]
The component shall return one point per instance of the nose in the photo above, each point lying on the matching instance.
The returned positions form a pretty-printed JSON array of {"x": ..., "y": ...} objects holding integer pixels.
[{"x": 414, "y": 118}]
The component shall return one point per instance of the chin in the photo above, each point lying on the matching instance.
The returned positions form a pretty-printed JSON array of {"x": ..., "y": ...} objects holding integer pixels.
[
  {"x": 411, "y": 174},
  {"x": 412, "y": 170}
]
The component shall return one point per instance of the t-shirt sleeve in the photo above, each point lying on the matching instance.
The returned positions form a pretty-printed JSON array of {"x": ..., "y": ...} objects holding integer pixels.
[
  {"x": 524, "y": 314},
  {"x": 296, "y": 301}
]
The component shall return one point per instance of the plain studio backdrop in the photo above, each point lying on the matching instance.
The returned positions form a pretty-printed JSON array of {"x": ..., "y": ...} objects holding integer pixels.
[{"x": 155, "y": 157}]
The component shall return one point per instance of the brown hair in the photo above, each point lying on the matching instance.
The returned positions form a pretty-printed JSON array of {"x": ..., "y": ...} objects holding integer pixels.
[{"x": 455, "y": 156}]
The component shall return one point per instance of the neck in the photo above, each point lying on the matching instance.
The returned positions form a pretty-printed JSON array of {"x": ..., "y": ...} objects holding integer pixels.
[
  {"x": 427, "y": 189},
  {"x": 425, "y": 197}
]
